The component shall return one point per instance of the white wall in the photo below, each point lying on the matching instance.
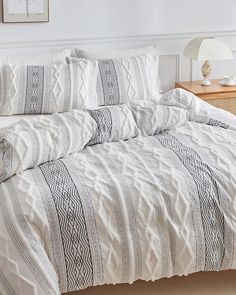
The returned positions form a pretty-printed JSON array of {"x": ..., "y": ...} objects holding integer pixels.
[
  {"x": 105, "y": 18},
  {"x": 128, "y": 23}
]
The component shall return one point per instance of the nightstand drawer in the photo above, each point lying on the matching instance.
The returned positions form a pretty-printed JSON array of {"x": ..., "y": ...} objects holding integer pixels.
[
  {"x": 228, "y": 104},
  {"x": 222, "y": 95}
]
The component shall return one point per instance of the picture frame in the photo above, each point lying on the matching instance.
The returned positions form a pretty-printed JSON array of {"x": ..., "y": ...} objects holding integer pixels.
[{"x": 25, "y": 11}]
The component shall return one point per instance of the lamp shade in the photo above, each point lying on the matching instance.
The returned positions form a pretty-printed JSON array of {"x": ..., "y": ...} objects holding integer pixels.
[{"x": 207, "y": 49}]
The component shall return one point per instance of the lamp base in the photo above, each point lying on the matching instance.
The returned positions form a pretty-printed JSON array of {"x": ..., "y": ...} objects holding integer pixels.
[
  {"x": 206, "y": 71},
  {"x": 206, "y": 82}
]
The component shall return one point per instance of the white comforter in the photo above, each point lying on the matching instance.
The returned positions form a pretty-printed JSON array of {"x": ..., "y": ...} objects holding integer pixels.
[{"x": 145, "y": 208}]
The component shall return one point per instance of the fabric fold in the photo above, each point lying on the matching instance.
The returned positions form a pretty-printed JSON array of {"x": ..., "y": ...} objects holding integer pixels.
[
  {"x": 29, "y": 143},
  {"x": 152, "y": 118}
]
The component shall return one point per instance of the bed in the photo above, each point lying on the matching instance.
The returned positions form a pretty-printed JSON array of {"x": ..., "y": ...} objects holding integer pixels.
[
  {"x": 136, "y": 190},
  {"x": 145, "y": 208}
]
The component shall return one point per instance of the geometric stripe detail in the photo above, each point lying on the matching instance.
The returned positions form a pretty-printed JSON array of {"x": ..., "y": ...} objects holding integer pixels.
[
  {"x": 109, "y": 81},
  {"x": 25, "y": 242},
  {"x": 214, "y": 122},
  {"x": 207, "y": 188},
  {"x": 103, "y": 118},
  {"x": 6, "y": 285},
  {"x": 72, "y": 223},
  {"x": 34, "y": 90}
]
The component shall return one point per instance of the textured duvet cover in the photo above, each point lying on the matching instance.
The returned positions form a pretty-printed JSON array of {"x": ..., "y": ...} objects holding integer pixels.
[{"x": 145, "y": 208}]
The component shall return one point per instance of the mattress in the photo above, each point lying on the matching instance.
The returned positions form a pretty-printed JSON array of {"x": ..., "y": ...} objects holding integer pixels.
[{"x": 144, "y": 208}]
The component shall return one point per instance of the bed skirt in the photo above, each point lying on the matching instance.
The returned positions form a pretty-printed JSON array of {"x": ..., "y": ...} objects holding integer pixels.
[{"x": 208, "y": 283}]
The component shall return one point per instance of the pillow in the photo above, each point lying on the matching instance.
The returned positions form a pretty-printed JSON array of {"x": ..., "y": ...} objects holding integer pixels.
[
  {"x": 29, "y": 143},
  {"x": 114, "y": 123},
  {"x": 152, "y": 118},
  {"x": 125, "y": 80},
  {"x": 46, "y": 89},
  {"x": 110, "y": 54},
  {"x": 45, "y": 58}
]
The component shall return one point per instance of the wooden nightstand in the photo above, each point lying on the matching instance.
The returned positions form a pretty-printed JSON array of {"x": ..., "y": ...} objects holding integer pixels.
[{"x": 220, "y": 96}]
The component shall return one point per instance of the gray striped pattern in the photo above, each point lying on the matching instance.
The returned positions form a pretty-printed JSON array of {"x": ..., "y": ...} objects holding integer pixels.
[
  {"x": 114, "y": 123},
  {"x": 25, "y": 241},
  {"x": 212, "y": 217},
  {"x": 34, "y": 90},
  {"x": 146, "y": 208},
  {"x": 34, "y": 140},
  {"x": 72, "y": 224},
  {"x": 127, "y": 79},
  {"x": 47, "y": 89},
  {"x": 6, "y": 285},
  {"x": 195, "y": 208},
  {"x": 218, "y": 123},
  {"x": 109, "y": 82},
  {"x": 104, "y": 122}
]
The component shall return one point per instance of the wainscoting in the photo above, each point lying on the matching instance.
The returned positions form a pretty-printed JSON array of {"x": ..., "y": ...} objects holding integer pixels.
[{"x": 173, "y": 66}]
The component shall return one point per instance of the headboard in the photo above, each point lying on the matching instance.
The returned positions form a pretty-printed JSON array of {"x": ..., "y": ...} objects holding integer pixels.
[{"x": 173, "y": 66}]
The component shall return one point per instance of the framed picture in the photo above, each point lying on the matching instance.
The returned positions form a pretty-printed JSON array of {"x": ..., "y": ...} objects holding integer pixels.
[{"x": 24, "y": 11}]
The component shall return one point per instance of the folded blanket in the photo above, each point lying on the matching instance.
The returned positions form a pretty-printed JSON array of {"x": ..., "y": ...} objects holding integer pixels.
[
  {"x": 29, "y": 143},
  {"x": 198, "y": 110}
]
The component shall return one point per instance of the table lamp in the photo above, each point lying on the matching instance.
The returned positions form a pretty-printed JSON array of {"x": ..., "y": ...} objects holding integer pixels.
[{"x": 207, "y": 49}]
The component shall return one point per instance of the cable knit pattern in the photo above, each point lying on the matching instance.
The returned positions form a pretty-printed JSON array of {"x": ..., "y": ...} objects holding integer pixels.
[
  {"x": 127, "y": 79},
  {"x": 44, "y": 58},
  {"x": 46, "y": 89},
  {"x": 152, "y": 118},
  {"x": 111, "y": 54},
  {"x": 29, "y": 143},
  {"x": 140, "y": 209}
]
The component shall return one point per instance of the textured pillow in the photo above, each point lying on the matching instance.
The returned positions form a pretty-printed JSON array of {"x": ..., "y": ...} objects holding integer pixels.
[
  {"x": 29, "y": 143},
  {"x": 110, "y": 54},
  {"x": 44, "y": 58},
  {"x": 125, "y": 80},
  {"x": 152, "y": 118},
  {"x": 46, "y": 89},
  {"x": 113, "y": 123}
]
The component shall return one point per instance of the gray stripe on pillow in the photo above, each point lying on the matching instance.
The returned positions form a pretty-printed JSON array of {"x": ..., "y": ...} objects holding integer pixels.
[
  {"x": 34, "y": 90},
  {"x": 103, "y": 118},
  {"x": 109, "y": 81}
]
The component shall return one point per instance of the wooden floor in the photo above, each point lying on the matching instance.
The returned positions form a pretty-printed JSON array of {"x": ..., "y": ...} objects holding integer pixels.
[{"x": 222, "y": 283}]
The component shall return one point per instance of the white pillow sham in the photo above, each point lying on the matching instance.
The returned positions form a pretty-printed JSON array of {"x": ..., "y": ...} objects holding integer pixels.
[
  {"x": 44, "y": 58},
  {"x": 111, "y": 54},
  {"x": 125, "y": 80},
  {"x": 46, "y": 89}
]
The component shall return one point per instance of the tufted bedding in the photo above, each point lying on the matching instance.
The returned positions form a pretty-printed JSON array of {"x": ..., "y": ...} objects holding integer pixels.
[{"x": 159, "y": 204}]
